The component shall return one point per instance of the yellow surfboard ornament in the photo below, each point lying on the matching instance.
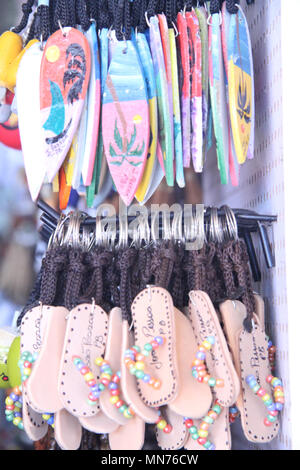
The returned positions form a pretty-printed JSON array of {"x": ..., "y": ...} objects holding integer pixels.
[{"x": 240, "y": 83}]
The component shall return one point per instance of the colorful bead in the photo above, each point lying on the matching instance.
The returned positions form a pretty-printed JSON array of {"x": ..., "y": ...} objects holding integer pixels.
[
  {"x": 134, "y": 361},
  {"x": 201, "y": 434},
  {"x": 278, "y": 394},
  {"x": 49, "y": 418},
  {"x": 199, "y": 371},
  {"x": 13, "y": 406},
  {"x": 89, "y": 378}
]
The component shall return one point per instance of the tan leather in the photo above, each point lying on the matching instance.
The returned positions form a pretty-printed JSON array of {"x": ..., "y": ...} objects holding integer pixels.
[
  {"x": 153, "y": 315},
  {"x": 179, "y": 434},
  {"x": 131, "y": 436},
  {"x": 67, "y": 430},
  {"x": 219, "y": 362},
  {"x": 129, "y": 383},
  {"x": 34, "y": 425},
  {"x": 250, "y": 355},
  {"x": 113, "y": 356},
  {"x": 86, "y": 336},
  {"x": 194, "y": 398},
  {"x": 42, "y": 385}
]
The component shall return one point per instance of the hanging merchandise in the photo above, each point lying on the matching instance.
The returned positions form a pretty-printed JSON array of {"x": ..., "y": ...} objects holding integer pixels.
[
  {"x": 121, "y": 337},
  {"x": 195, "y": 68},
  {"x": 240, "y": 83},
  {"x": 218, "y": 90},
  {"x": 234, "y": 168}
]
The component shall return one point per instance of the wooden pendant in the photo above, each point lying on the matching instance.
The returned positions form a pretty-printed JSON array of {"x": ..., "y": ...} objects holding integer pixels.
[
  {"x": 164, "y": 119},
  {"x": 240, "y": 84},
  {"x": 65, "y": 73},
  {"x": 125, "y": 120},
  {"x": 218, "y": 96},
  {"x": 93, "y": 97},
  {"x": 203, "y": 29},
  {"x": 148, "y": 70},
  {"x": 28, "y": 98},
  {"x": 196, "y": 89},
  {"x": 165, "y": 40},
  {"x": 234, "y": 169},
  {"x": 185, "y": 90},
  {"x": 176, "y": 111}
]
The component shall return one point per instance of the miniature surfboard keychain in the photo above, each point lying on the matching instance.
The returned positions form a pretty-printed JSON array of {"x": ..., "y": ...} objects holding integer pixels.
[
  {"x": 250, "y": 153},
  {"x": 218, "y": 91},
  {"x": 176, "y": 109},
  {"x": 185, "y": 88},
  {"x": 240, "y": 84},
  {"x": 93, "y": 96},
  {"x": 203, "y": 29},
  {"x": 164, "y": 121},
  {"x": 234, "y": 168},
  {"x": 125, "y": 119},
  {"x": 196, "y": 89},
  {"x": 65, "y": 73},
  {"x": 164, "y": 34},
  {"x": 148, "y": 70},
  {"x": 28, "y": 98}
]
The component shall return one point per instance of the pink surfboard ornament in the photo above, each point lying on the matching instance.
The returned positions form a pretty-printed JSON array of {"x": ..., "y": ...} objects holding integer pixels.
[
  {"x": 64, "y": 79},
  {"x": 125, "y": 120}
]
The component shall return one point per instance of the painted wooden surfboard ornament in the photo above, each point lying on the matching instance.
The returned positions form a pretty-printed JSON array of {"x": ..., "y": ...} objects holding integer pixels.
[
  {"x": 164, "y": 34},
  {"x": 218, "y": 95},
  {"x": 125, "y": 123},
  {"x": 93, "y": 97},
  {"x": 250, "y": 153},
  {"x": 176, "y": 111},
  {"x": 81, "y": 136},
  {"x": 164, "y": 122},
  {"x": 148, "y": 70},
  {"x": 203, "y": 28},
  {"x": 234, "y": 168},
  {"x": 196, "y": 89},
  {"x": 103, "y": 177},
  {"x": 185, "y": 88},
  {"x": 240, "y": 83},
  {"x": 28, "y": 98},
  {"x": 65, "y": 73}
]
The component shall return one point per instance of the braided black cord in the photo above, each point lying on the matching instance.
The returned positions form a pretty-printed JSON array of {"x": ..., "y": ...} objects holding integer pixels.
[
  {"x": 119, "y": 20},
  {"x": 127, "y": 19},
  {"x": 104, "y": 19},
  {"x": 26, "y": 9},
  {"x": 42, "y": 28},
  {"x": 231, "y": 6},
  {"x": 215, "y": 6},
  {"x": 82, "y": 14}
]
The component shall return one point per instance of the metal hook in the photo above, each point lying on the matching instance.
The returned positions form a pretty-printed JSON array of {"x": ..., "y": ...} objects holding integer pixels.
[{"x": 61, "y": 28}]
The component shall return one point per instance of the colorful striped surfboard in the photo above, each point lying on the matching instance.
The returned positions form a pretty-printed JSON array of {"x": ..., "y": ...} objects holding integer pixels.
[
  {"x": 93, "y": 96},
  {"x": 125, "y": 124},
  {"x": 164, "y": 121},
  {"x": 234, "y": 167},
  {"x": 218, "y": 96},
  {"x": 240, "y": 84},
  {"x": 148, "y": 70}
]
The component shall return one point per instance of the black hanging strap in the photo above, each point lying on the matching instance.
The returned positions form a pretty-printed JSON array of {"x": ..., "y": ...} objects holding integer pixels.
[
  {"x": 215, "y": 6},
  {"x": 26, "y": 9},
  {"x": 231, "y": 6}
]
